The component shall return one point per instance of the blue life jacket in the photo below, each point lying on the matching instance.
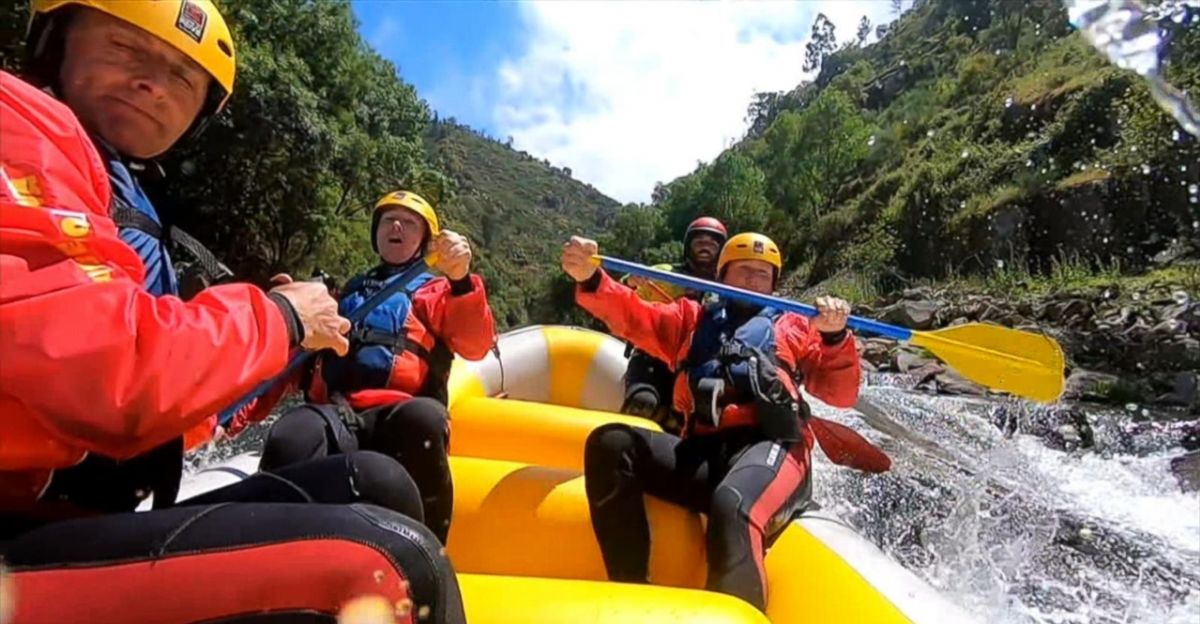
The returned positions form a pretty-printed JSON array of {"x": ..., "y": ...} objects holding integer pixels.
[
  {"x": 142, "y": 229},
  {"x": 742, "y": 356},
  {"x": 385, "y": 339},
  {"x": 717, "y": 343},
  {"x": 130, "y": 208}
]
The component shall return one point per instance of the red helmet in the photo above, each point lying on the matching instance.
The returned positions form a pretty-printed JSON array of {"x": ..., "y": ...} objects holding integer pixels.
[{"x": 706, "y": 224}]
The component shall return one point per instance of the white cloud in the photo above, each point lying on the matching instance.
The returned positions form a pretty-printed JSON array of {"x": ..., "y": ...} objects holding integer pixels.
[{"x": 631, "y": 93}]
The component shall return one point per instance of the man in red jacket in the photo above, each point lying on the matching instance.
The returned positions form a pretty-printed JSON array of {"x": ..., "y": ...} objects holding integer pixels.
[
  {"x": 745, "y": 454},
  {"x": 105, "y": 368},
  {"x": 389, "y": 393}
]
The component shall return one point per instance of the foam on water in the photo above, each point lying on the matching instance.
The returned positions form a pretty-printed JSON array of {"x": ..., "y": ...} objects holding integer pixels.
[
  {"x": 1139, "y": 492},
  {"x": 1018, "y": 532}
]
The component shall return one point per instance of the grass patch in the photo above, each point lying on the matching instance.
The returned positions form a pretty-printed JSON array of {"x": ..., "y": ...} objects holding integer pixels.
[
  {"x": 853, "y": 287},
  {"x": 1082, "y": 178},
  {"x": 1069, "y": 275}
]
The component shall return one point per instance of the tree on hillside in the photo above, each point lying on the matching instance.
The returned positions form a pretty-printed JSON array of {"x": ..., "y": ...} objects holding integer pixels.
[
  {"x": 821, "y": 43},
  {"x": 733, "y": 190},
  {"x": 635, "y": 229},
  {"x": 761, "y": 111},
  {"x": 13, "y": 20},
  {"x": 864, "y": 31},
  {"x": 897, "y": 8},
  {"x": 808, "y": 155}
]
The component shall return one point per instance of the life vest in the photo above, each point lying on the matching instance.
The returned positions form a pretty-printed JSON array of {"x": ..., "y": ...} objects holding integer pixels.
[
  {"x": 390, "y": 349},
  {"x": 131, "y": 209},
  {"x": 728, "y": 364},
  {"x": 143, "y": 230}
]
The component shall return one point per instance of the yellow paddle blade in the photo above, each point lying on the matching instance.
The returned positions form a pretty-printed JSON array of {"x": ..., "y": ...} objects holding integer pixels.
[{"x": 1019, "y": 362}]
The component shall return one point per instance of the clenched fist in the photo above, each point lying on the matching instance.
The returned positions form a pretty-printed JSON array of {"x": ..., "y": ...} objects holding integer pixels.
[
  {"x": 577, "y": 258},
  {"x": 323, "y": 327},
  {"x": 453, "y": 254},
  {"x": 832, "y": 314}
]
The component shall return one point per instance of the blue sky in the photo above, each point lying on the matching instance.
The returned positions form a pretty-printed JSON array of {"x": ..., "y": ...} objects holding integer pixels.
[
  {"x": 442, "y": 47},
  {"x": 625, "y": 93}
]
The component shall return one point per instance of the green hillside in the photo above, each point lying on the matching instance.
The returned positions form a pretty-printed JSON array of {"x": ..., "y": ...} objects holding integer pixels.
[
  {"x": 518, "y": 211},
  {"x": 975, "y": 137}
]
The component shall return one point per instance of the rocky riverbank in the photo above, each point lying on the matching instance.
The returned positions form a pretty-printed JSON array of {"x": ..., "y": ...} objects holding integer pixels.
[
  {"x": 1134, "y": 346},
  {"x": 1135, "y": 349}
]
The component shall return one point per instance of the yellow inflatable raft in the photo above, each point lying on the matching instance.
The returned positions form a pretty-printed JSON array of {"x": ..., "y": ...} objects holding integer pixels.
[{"x": 521, "y": 538}]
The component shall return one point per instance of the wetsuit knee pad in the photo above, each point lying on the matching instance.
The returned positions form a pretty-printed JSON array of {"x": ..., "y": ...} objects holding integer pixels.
[
  {"x": 420, "y": 416},
  {"x": 607, "y": 443},
  {"x": 641, "y": 400},
  {"x": 728, "y": 506},
  {"x": 300, "y": 426},
  {"x": 381, "y": 480}
]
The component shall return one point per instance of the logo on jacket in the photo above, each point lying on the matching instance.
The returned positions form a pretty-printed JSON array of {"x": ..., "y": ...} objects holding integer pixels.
[
  {"x": 192, "y": 20},
  {"x": 26, "y": 191}
]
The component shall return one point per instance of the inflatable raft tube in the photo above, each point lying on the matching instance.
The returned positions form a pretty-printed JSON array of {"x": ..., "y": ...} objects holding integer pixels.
[
  {"x": 520, "y": 526},
  {"x": 521, "y": 537}
]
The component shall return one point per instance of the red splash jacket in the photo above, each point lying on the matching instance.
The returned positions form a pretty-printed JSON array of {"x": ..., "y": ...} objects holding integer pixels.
[
  {"x": 91, "y": 361},
  {"x": 664, "y": 330}
]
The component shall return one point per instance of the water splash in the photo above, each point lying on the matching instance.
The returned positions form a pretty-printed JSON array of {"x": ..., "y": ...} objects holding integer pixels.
[
  {"x": 1131, "y": 36},
  {"x": 1021, "y": 533}
]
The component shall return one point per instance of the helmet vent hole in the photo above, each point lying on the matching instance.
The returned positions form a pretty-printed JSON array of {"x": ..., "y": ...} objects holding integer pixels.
[{"x": 224, "y": 45}]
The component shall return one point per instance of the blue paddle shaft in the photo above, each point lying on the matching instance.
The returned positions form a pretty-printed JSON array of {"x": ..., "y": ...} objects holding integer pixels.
[
  {"x": 300, "y": 359},
  {"x": 855, "y": 322}
]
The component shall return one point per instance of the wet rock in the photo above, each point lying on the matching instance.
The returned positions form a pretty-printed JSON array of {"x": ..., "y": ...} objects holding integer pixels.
[
  {"x": 1068, "y": 310},
  {"x": 1138, "y": 331},
  {"x": 1185, "y": 390},
  {"x": 1076, "y": 432},
  {"x": 1169, "y": 327},
  {"x": 1089, "y": 386},
  {"x": 1064, "y": 429},
  {"x": 912, "y": 314},
  {"x": 907, "y": 361},
  {"x": 1187, "y": 311},
  {"x": 867, "y": 366},
  {"x": 1068, "y": 437},
  {"x": 1179, "y": 352},
  {"x": 877, "y": 351},
  {"x": 926, "y": 374},
  {"x": 1186, "y": 469},
  {"x": 1121, "y": 318},
  {"x": 950, "y": 382},
  {"x": 1191, "y": 438}
]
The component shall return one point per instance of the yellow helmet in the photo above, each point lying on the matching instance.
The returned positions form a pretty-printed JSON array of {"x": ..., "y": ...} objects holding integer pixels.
[
  {"x": 194, "y": 27},
  {"x": 404, "y": 199},
  {"x": 750, "y": 246}
]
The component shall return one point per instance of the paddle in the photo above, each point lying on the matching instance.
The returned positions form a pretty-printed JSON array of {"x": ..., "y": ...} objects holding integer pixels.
[
  {"x": 1019, "y": 362},
  {"x": 300, "y": 359}
]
